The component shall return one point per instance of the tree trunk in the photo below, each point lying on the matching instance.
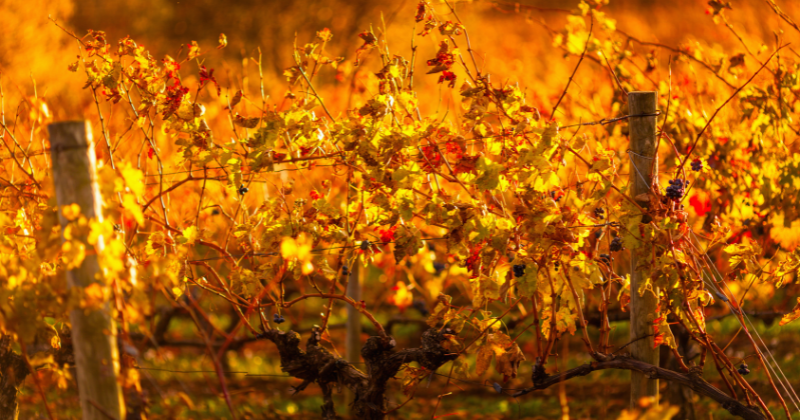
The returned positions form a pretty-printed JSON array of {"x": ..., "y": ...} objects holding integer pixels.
[{"x": 13, "y": 372}]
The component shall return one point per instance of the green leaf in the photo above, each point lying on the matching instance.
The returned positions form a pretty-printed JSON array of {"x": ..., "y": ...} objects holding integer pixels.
[
  {"x": 489, "y": 174},
  {"x": 527, "y": 284}
]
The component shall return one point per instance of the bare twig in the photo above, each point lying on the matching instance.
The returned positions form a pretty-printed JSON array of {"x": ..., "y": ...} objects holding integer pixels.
[{"x": 583, "y": 54}]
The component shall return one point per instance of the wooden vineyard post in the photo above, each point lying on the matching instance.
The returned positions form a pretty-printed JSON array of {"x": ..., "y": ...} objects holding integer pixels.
[
  {"x": 93, "y": 331},
  {"x": 644, "y": 169},
  {"x": 353, "y": 337}
]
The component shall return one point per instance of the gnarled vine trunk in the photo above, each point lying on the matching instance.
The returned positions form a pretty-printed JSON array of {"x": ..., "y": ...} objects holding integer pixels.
[
  {"x": 13, "y": 372},
  {"x": 317, "y": 364}
]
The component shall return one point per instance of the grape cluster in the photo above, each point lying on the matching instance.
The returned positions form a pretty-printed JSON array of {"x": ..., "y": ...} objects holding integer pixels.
[
  {"x": 519, "y": 270},
  {"x": 243, "y": 190},
  {"x": 365, "y": 244},
  {"x": 278, "y": 318},
  {"x": 439, "y": 267},
  {"x": 697, "y": 165},
  {"x": 599, "y": 213},
  {"x": 345, "y": 270},
  {"x": 676, "y": 189},
  {"x": 421, "y": 306},
  {"x": 744, "y": 369},
  {"x": 616, "y": 244}
]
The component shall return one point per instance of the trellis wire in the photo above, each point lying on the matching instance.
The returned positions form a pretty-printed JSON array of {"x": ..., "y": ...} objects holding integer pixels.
[
  {"x": 316, "y": 250},
  {"x": 782, "y": 379},
  {"x": 603, "y": 121}
]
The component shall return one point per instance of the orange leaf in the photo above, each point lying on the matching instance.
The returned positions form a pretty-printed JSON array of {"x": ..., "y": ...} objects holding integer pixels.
[{"x": 791, "y": 316}]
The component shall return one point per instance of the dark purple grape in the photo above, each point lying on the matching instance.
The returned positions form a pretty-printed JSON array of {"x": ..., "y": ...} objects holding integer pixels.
[
  {"x": 439, "y": 267},
  {"x": 697, "y": 165},
  {"x": 278, "y": 318},
  {"x": 744, "y": 369},
  {"x": 605, "y": 258},
  {"x": 676, "y": 189},
  {"x": 421, "y": 306},
  {"x": 345, "y": 270},
  {"x": 599, "y": 213},
  {"x": 365, "y": 244},
  {"x": 616, "y": 244},
  {"x": 519, "y": 270},
  {"x": 243, "y": 190}
]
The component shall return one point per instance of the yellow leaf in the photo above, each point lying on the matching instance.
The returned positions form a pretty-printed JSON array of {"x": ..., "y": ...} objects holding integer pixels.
[
  {"x": 223, "y": 41},
  {"x": 299, "y": 248},
  {"x": 791, "y": 316},
  {"x": 308, "y": 268},
  {"x": 134, "y": 179},
  {"x": 94, "y": 296},
  {"x": 190, "y": 235},
  {"x": 99, "y": 230},
  {"x": 71, "y": 211},
  {"x": 288, "y": 247},
  {"x": 112, "y": 258},
  {"x": 177, "y": 291},
  {"x": 484, "y": 358},
  {"x": 194, "y": 50},
  {"x": 130, "y": 204},
  {"x": 508, "y": 362},
  {"x": 402, "y": 297},
  {"x": 73, "y": 253}
]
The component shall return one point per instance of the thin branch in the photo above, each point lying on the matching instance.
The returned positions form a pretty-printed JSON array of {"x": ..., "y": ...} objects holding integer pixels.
[
  {"x": 695, "y": 382},
  {"x": 583, "y": 54},
  {"x": 700, "y": 134}
]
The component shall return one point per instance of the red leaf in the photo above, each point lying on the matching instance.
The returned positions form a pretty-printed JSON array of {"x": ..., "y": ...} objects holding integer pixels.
[
  {"x": 658, "y": 340},
  {"x": 150, "y": 153},
  {"x": 387, "y": 235},
  {"x": 701, "y": 207}
]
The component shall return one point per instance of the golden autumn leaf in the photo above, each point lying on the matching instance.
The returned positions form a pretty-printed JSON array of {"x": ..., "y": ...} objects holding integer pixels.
[
  {"x": 134, "y": 179},
  {"x": 94, "y": 296},
  {"x": 73, "y": 253},
  {"x": 71, "y": 211},
  {"x": 190, "y": 235},
  {"x": 402, "y": 297},
  {"x": 133, "y": 208},
  {"x": 484, "y": 358},
  {"x": 508, "y": 362},
  {"x": 299, "y": 249},
  {"x": 194, "y": 50},
  {"x": 791, "y": 316}
]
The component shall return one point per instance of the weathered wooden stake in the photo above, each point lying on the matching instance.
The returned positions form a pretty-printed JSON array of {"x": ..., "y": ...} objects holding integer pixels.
[
  {"x": 643, "y": 171},
  {"x": 93, "y": 331}
]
